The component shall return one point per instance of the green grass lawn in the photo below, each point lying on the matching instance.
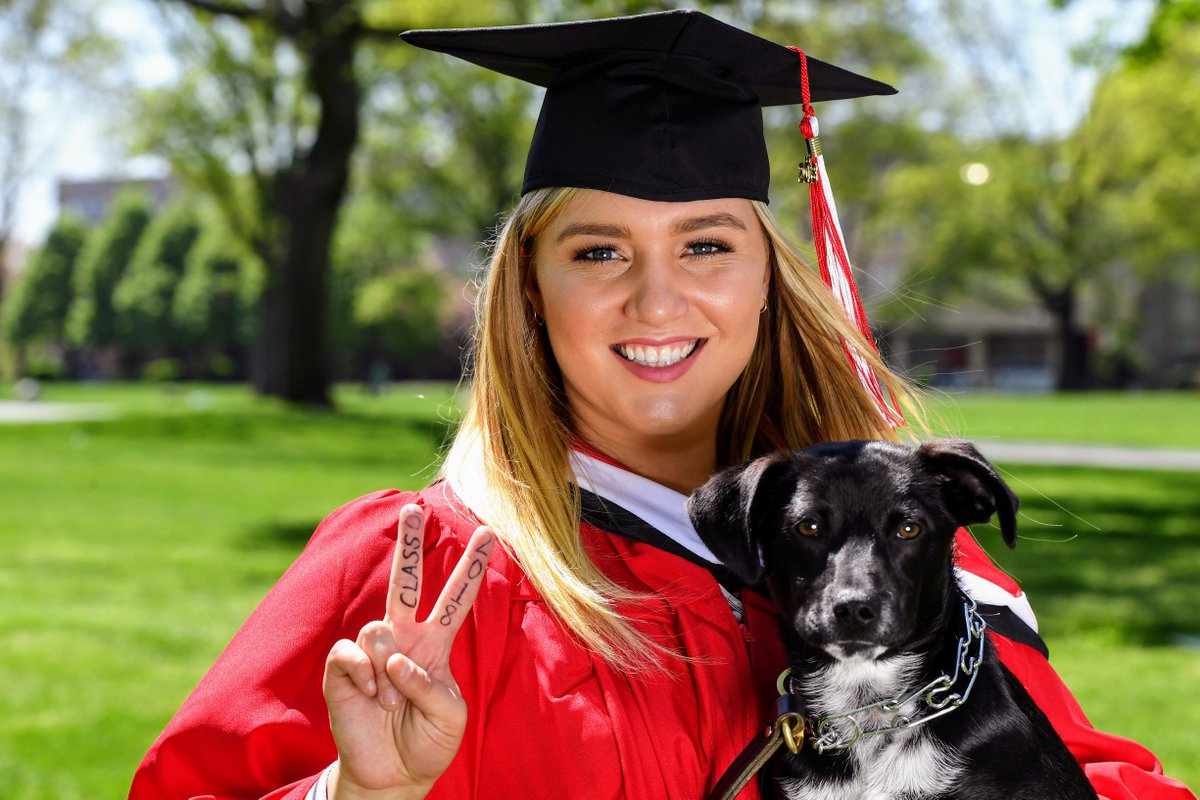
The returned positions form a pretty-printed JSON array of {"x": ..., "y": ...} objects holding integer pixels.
[
  {"x": 1152, "y": 419},
  {"x": 133, "y": 547}
]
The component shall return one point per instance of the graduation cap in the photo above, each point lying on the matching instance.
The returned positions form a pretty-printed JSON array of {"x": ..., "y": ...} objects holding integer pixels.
[
  {"x": 661, "y": 106},
  {"x": 668, "y": 106}
]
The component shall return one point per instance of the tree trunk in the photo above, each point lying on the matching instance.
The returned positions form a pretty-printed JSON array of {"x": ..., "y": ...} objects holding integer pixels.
[
  {"x": 290, "y": 359},
  {"x": 4, "y": 266},
  {"x": 1074, "y": 356}
]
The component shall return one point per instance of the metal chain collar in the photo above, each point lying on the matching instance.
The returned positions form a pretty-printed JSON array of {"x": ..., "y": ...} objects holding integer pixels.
[{"x": 937, "y": 696}]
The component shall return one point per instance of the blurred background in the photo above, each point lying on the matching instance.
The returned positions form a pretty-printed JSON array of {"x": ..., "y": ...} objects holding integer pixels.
[{"x": 238, "y": 246}]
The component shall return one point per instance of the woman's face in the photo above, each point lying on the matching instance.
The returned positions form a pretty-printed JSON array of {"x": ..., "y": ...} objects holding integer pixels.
[{"x": 652, "y": 311}]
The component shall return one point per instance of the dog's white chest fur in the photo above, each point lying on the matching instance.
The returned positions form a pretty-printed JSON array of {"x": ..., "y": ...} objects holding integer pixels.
[{"x": 906, "y": 763}]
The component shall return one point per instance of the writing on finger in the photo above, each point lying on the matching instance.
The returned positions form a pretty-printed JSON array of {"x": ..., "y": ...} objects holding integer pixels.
[
  {"x": 408, "y": 582},
  {"x": 479, "y": 557}
]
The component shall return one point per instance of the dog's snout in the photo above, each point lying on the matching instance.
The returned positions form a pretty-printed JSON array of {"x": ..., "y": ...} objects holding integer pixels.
[{"x": 861, "y": 611}]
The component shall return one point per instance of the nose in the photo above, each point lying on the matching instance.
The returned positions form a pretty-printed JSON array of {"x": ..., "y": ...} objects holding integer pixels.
[
  {"x": 856, "y": 614},
  {"x": 658, "y": 294}
]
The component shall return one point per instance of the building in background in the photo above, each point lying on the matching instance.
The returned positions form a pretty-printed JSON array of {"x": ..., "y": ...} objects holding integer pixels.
[
  {"x": 1168, "y": 336},
  {"x": 975, "y": 346},
  {"x": 91, "y": 199}
]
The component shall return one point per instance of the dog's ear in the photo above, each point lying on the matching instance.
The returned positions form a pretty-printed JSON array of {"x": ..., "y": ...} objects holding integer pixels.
[
  {"x": 722, "y": 512},
  {"x": 970, "y": 485}
]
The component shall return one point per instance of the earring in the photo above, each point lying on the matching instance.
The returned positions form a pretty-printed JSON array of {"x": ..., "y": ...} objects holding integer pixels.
[{"x": 763, "y": 310}]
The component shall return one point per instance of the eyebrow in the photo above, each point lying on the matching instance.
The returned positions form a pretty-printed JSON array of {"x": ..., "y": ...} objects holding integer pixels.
[
  {"x": 690, "y": 225},
  {"x": 593, "y": 229},
  {"x": 722, "y": 220}
]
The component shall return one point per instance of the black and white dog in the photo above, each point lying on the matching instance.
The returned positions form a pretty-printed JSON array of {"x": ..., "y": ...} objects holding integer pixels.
[{"x": 904, "y": 697}]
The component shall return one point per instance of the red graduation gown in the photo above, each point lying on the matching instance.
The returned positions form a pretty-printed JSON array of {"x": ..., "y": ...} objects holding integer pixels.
[{"x": 546, "y": 717}]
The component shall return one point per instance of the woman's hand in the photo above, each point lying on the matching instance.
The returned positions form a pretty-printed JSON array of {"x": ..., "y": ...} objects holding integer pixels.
[{"x": 394, "y": 708}]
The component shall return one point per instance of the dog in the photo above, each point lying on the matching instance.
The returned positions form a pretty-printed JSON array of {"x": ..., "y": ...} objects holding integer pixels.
[{"x": 904, "y": 696}]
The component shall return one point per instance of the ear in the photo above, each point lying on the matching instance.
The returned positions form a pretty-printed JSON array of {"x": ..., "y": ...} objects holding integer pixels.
[
  {"x": 971, "y": 487},
  {"x": 533, "y": 294},
  {"x": 721, "y": 511}
]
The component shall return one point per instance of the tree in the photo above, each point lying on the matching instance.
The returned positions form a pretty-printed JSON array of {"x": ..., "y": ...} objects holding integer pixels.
[
  {"x": 35, "y": 312},
  {"x": 1065, "y": 220},
  {"x": 403, "y": 315},
  {"x": 145, "y": 294},
  {"x": 212, "y": 311},
  {"x": 45, "y": 46},
  {"x": 1140, "y": 134},
  {"x": 448, "y": 146},
  {"x": 288, "y": 99},
  {"x": 1141, "y": 130},
  {"x": 1003, "y": 220},
  {"x": 91, "y": 322}
]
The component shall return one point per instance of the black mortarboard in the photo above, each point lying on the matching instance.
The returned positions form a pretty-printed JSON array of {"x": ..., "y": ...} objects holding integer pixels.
[{"x": 662, "y": 106}]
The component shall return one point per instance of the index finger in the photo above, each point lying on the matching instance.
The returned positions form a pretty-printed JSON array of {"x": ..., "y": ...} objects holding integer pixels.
[{"x": 404, "y": 584}]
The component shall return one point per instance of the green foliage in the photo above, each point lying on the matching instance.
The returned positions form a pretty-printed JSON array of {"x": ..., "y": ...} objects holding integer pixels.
[
  {"x": 1077, "y": 224},
  {"x": 1141, "y": 135},
  {"x": 1171, "y": 17},
  {"x": 144, "y": 297},
  {"x": 1015, "y": 221},
  {"x": 106, "y": 255},
  {"x": 450, "y": 152},
  {"x": 162, "y": 370},
  {"x": 215, "y": 298},
  {"x": 36, "y": 308},
  {"x": 404, "y": 311},
  {"x": 240, "y": 100},
  {"x": 360, "y": 254}
]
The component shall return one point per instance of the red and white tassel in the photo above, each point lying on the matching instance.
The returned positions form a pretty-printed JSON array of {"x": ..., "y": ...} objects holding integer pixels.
[{"x": 832, "y": 258}]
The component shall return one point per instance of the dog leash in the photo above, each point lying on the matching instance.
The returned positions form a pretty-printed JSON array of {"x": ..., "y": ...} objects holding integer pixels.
[{"x": 787, "y": 729}]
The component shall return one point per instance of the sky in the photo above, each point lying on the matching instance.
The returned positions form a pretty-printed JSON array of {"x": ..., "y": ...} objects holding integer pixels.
[
  {"x": 70, "y": 134},
  {"x": 72, "y": 143}
]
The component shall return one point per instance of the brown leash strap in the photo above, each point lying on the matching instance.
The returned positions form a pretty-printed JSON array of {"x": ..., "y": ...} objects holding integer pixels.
[{"x": 787, "y": 729}]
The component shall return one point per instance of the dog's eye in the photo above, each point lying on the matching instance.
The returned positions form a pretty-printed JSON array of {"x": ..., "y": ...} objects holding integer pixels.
[
  {"x": 808, "y": 527},
  {"x": 908, "y": 530}
]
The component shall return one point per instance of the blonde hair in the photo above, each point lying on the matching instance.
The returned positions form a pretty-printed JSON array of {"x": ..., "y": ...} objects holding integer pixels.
[{"x": 508, "y": 462}]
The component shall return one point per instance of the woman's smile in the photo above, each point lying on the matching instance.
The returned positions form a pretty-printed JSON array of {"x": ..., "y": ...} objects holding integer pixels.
[{"x": 657, "y": 356}]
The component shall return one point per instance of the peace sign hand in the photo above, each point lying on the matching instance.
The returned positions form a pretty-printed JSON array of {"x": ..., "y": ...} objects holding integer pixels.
[{"x": 395, "y": 711}]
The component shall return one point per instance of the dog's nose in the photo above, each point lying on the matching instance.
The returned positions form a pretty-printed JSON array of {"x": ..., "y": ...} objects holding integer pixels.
[{"x": 858, "y": 612}]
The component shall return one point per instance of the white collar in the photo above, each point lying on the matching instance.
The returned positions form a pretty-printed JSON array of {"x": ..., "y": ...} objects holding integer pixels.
[{"x": 661, "y": 507}]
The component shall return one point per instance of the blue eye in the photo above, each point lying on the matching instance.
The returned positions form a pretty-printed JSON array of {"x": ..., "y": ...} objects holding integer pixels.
[
  {"x": 708, "y": 248},
  {"x": 604, "y": 253}
]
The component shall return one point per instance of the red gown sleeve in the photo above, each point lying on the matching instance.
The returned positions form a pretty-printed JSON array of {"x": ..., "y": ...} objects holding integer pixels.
[
  {"x": 256, "y": 725},
  {"x": 1118, "y": 768}
]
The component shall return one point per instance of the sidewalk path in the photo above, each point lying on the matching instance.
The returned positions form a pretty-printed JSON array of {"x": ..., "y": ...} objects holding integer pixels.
[
  {"x": 1061, "y": 453},
  {"x": 1090, "y": 455},
  {"x": 40, "y": 411}
]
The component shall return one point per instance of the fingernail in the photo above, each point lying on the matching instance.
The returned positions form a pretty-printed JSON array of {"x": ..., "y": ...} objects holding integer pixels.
[
  {"x": 390, "y": 697},
  {"x": 371, "y": 687}
]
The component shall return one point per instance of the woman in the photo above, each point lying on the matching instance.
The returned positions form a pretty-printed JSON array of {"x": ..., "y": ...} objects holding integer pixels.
[{"x": 643, "y": 323}]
